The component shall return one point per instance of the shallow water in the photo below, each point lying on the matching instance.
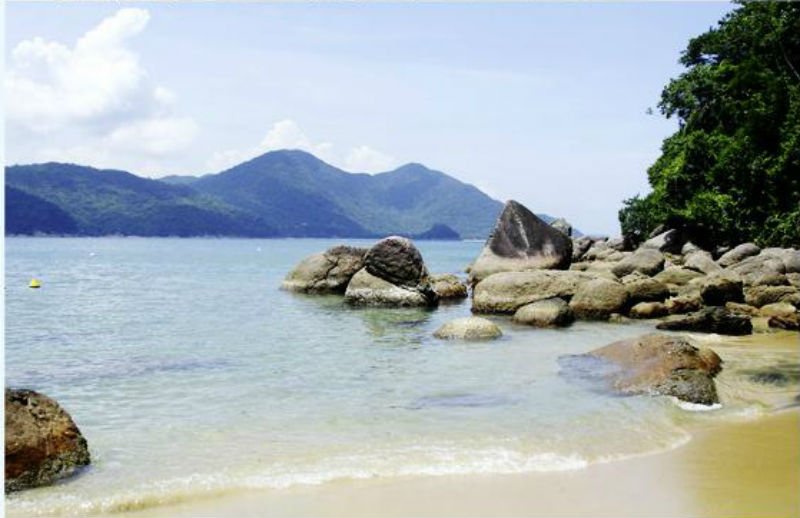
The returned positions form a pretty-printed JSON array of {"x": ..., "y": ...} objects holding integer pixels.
[{"x": 190, "y": 373}]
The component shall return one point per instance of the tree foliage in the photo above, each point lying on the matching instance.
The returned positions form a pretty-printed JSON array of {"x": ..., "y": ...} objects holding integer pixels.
[{"x": 731, "y": 172}]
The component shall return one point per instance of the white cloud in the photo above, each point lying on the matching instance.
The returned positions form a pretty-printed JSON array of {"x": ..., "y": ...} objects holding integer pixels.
[
  {"x": 97, "y": 93},
  {"x": 287, "y": 134}
]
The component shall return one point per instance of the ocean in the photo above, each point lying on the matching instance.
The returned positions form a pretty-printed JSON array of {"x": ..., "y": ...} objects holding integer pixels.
[{"x": 191, "y": 374}]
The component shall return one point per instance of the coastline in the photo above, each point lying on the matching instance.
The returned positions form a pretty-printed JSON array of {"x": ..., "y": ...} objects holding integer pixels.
[{"x": 742, "y": 468}]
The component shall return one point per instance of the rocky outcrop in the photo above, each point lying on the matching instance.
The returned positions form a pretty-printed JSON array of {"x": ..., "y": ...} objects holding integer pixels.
[
  {"x": 449, "y": 287},
  {"x": 553, "y": 312},
  {"x": 645, "y": 260},
  {"x": 521, "y": 242},
  {"x": 43, "y": 444},
  {"x": 469, "y": 328},
  {"x": 394, "y": 274},
  {"x": 326, "y": 272},
  {"x": 710, "y": 320},
  {"x": 598, "y": 299},
  {"x": 652, "y": 364},
  {"x": 507, "y": 292}
]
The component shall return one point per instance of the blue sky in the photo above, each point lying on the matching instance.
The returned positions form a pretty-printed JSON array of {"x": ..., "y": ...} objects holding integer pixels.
[{"x": 542, "y": 103}]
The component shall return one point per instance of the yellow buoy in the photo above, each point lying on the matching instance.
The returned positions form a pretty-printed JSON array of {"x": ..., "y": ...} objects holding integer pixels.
[{"x": 35, "y": 283}]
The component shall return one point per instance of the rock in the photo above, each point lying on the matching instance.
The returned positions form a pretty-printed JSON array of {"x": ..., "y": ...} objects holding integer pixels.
[
  {"x": 617, "y": 244},
  {"x": 326, "y": 272},
  {"x": 580, "y": 246},
  {"x": 658, "y": 364},
  {"x": 645, "y": 289},
  {"x": 448, "y": 287},
  {"x": 562, "y": 226},
  {"x": 741, "y": 309},
  {"x": 508, "y": 291},
  {"x": 762, "y": 295},
  {"x": 553, "y": 312},
  {"x": 738, "y": 254},
  {"x": 786, "y": 323},
  {"x": 702, "y": 262},
  {"x": 754, "y": 268},
  {"x": 648, "y": 310},
  {"x": 793, "y": 279},
  {"x": 469, "y": 328},
  {"x": 719, "y": 289},
  {"x": 791, "y": 261},
  {"x": 690, "y": 247},
  {"x": 43, "y": 444},
  {"x": 366, "y": 289},
  {"x": 710, "y": 320},
  {"x": 598, "y": 298},
  {"x": 677, "y": 276},
  {"x": 683, "y": 304},
  {"x": 521, "y": 242},
  {"x": 671, "y": 241},
  {"x": 778, "y": 309},
  {"x": 396, "y": 260},
  {"x": 644, "y": 260},
  {"x": 771, "y": 279}
]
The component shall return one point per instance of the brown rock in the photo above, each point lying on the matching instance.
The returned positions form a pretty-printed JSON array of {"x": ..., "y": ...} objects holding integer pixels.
[
  {"x": 648, "y": 310},
  {"x": 449, "y": 287},
  {"x": 598, "y": 299},
  {"x": 762, "y": 295}
]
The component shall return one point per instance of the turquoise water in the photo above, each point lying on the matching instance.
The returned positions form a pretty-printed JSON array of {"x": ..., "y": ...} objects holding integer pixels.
[{"x": 190, "y": 373}]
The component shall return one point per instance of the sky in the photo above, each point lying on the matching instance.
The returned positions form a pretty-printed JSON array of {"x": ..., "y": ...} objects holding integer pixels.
[{"x": 544, "y": 103}]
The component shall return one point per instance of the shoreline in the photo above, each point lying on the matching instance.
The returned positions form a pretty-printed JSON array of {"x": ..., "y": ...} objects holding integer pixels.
[{"x": 741, "y": 468}]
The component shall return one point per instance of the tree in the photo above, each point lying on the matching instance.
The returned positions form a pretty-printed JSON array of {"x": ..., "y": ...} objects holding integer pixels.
[{"x": 731, "y": 172}]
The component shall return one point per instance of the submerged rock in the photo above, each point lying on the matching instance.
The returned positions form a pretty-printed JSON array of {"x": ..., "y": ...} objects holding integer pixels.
[
  {"x": 653, "y": 364},
  {"x": 469, "y": 328},
  {"x": 553, "y": 312},
  {"x": 710, "y": 320},
  {"x": 521, "y": 242},
  {"x": 43, "y": 444},
  {"x": 326, "y": 272}
]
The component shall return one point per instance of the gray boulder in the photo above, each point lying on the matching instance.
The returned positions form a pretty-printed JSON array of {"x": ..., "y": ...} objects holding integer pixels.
[
  {"x": 508, "y": 291},
  {"x": 710, "y": 320},
  {"x": 366, "y": 289},
  {"x": 469, "y": 328},
  {"x": 701, "y": 261},
  {"x": 553, "y": 312},
  {"x": 562, "y": 226},
  {"x": 43, "y": 444},
  {"x": 738, "y": 254},
  {"x": 396, "y": 260},
  {"x": 719, "y": 289},
  {"x": 753, "y": 268},
  {"x": 521, "y": 242},
  {"x": 652, "y": 364},
  {"x": 677, "y": 276},
  {"x": 598, "y": 299},
  {"x": 326, "y": 272},
  {"x": 644, "y": 260},
  {"x": 671, "y": 241},
  {"x": 580, "y": 246}
]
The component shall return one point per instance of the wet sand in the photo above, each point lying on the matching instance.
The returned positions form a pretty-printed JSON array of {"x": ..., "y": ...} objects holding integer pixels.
[{"x": 742, "y": 468}]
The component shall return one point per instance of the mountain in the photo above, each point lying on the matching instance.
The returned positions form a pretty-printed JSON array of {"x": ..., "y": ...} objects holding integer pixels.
[
  {"x": 97, "y": 202},
  {"x": 281, "y": 193}
]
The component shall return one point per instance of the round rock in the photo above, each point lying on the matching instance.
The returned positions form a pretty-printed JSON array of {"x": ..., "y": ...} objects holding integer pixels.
[{"x": 469, "y": 328}]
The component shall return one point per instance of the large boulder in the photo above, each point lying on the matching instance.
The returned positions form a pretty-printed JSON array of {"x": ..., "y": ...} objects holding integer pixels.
[
  {"x": 562, "y": 226},
  {"x": 778, "y": 309},
  {"x": 508, "y": 291},
  {"x": 326, "y": 272},
  {"x": 738, "y": 254},
  {"x": 654, "y": 364},
  {"x": 701, "y": 261},
  {"x": 521, "y": 242},
  {"x": 671, "y": 241},
  {"x": 681, "y": 304},
  {"x": 644, "y": 289},
  {"x": 762, "y": 295},
  {"x": 553, "y": 312},
  {"x": 719, "y": 289},
  {"x": 644, "y": 260},
  {"x": 469, "y": 328},
  {"x": 754, "y": 268},
  {"x": 677, "y": 276},
  {"x": 43, "y": 444},
  {"x": 710, "y": 320},
  {"x": 648, "y": 310},
  {"x": 449, "y": 287},
  {"x": 580, "y": 246},
  {"x": 393, "y": 275},
  {"x": 598, "y": 299}
]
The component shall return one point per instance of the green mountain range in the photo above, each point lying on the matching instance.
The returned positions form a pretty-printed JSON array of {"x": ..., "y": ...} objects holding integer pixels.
[{"x": 278, "y": 194}]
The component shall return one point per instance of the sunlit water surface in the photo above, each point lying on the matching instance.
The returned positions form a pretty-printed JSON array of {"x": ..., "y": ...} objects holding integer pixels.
[{"x": 190, "y": 373}]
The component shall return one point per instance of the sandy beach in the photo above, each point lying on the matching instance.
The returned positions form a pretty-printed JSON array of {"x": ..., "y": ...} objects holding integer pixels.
[{"x": 743, "y": 468}]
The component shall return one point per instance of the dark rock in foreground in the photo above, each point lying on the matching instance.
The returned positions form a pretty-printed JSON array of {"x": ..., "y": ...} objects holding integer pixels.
[
  {"x": 522, "y": 242},
  {"x": 43, "y": 444},
  {"x": 326, "y": 272},
  {"x": 710, "y": 320},
  {"x": 651, "y": 364}
]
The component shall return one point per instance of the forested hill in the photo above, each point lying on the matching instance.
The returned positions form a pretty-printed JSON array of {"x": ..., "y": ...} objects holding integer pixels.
[{"x": 281, "y": 193}]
